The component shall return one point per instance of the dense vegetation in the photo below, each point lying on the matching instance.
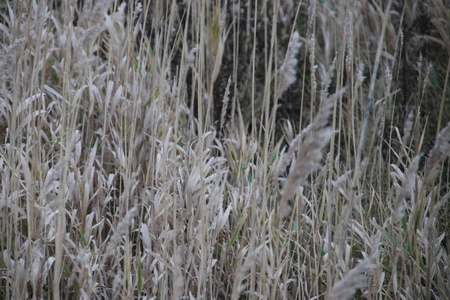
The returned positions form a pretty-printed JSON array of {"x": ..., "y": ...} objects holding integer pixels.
[{"x": 239, "y": 149}]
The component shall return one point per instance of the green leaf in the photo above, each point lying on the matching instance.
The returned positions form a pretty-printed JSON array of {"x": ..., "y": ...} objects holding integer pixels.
[{"x": 236, "y": 231}]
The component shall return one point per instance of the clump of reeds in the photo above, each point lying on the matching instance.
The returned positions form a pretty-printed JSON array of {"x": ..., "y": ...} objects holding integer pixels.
[{"x": 116, "y": 184}]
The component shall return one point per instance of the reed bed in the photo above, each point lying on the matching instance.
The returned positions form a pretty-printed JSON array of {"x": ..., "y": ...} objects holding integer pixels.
[{"x": 237, "y": 149}]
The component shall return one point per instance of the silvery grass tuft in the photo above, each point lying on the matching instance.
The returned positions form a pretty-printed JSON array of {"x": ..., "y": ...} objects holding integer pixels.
[
  {"x": 288, "y": 68},
  {"x": 309, "y": 153}
]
